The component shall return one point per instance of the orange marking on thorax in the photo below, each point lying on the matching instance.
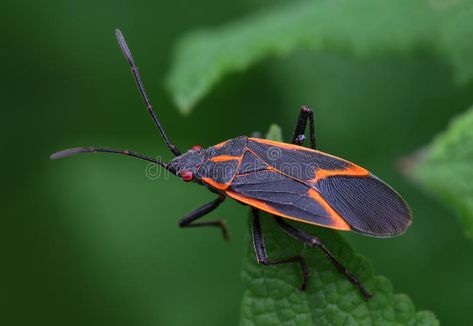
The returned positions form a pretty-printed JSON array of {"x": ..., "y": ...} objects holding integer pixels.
[{"x": 224, "y": 158}]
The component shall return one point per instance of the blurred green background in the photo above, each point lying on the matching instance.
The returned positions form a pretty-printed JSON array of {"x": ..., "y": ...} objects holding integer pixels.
[{"x": 92, "y": 241}]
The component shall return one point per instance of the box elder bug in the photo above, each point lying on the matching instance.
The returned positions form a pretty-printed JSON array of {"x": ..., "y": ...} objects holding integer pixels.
[{"x": 286, "y": 180}]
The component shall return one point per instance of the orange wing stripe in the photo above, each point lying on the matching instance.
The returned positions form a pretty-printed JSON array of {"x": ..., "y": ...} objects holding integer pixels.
[
  {"x": 282, "y": 145},
  {"x": 339, "y": 223},
  {"x": 353, "y": 170},
  {"x": 289, "y": 146}
]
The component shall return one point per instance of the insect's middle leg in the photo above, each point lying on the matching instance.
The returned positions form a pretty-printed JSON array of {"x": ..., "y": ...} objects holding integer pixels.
[
  {"x": 262, "y": 257},
  {"x": 189, "y": 220},
  {"x": 305, "y": 114},
  {"x": 314, "y": 241}
]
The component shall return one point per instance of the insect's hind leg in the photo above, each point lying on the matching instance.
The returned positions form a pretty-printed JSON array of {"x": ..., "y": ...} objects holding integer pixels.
[
  {"x": 262, "y": 257},
  {"x": 189, "y": 220},
  {"x": 314, "y": 241},
  {"x": 305, "y": 114}
]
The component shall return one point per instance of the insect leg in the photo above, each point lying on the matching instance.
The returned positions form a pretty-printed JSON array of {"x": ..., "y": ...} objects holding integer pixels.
[
  {"x": 298, "y": 138},
  {"x": 189, "y": 220},
  {"x": 314, "y": 241},
  {"x": 262, "y": 257}
]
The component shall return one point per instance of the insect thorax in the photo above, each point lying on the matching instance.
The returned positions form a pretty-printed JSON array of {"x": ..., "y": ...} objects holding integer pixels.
[{"x": 192, "y": 160}]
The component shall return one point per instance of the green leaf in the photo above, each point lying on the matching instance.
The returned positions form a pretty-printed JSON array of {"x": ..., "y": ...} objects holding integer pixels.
[
  {"x": 445, "y": 168},
  {"x": 364, "y": 27},
  {"x": 274, "y": 133},
  {"x": 272, "y": 295}
]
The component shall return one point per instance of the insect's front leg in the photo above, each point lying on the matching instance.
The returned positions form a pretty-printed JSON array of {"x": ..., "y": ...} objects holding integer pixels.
[
  {"x": 189, "y": 220},
  {"x": 305, "y": 114},
  {"x": 314, "y": 241},
  {"x": 262, "y": 257}
]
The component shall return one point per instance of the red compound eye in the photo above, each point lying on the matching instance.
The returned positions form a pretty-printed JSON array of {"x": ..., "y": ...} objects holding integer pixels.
[
  {"x": 196, "y": 148},
  {"x": 187, "y": 175}
]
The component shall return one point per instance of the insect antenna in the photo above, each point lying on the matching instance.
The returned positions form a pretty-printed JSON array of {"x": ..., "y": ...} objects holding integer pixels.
[
  {"x": 78, "y": 150},
  {"x": 134, "y": 69}
]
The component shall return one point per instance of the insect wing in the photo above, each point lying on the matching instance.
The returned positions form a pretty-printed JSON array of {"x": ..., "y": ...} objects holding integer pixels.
[
  {"x": 367, "y": 204},
  {"x": 316, "y": 188}
]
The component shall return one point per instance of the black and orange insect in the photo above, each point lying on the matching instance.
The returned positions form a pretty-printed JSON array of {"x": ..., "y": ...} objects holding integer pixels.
[{"x": 286, "y": 180}]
